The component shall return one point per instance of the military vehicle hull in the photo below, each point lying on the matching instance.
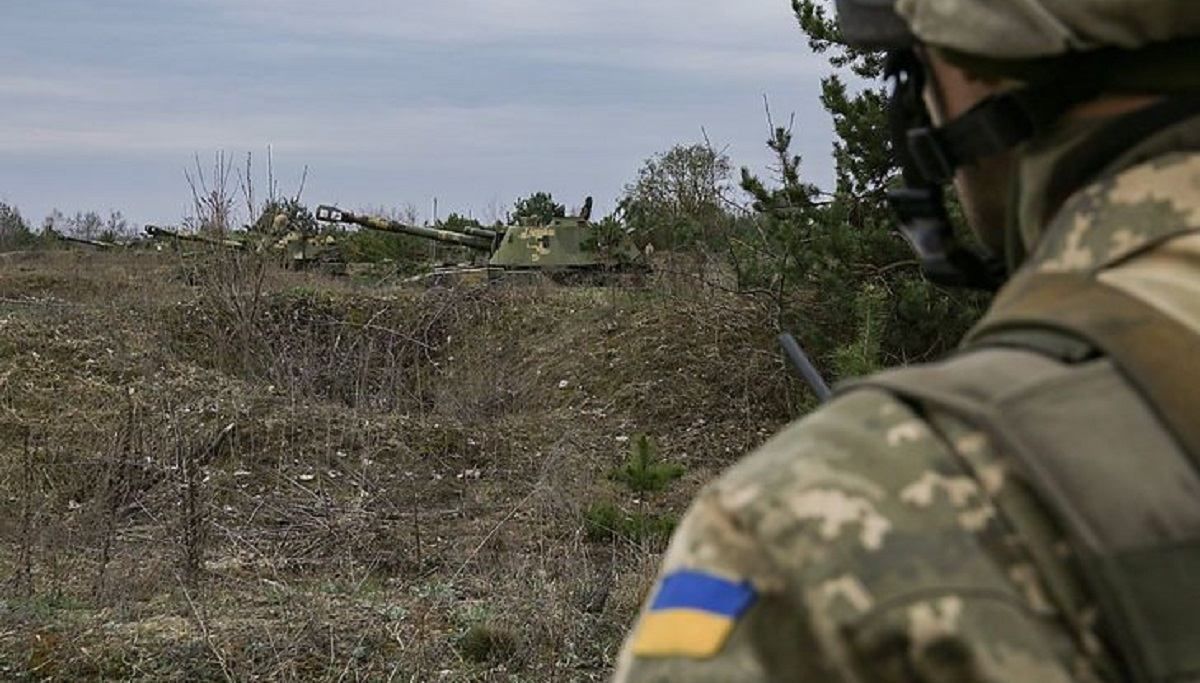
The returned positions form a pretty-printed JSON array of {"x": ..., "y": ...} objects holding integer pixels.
[{"x": 305, "y": 252}]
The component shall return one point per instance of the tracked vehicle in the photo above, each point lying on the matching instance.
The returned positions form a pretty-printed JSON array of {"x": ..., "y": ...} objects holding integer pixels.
[
  {"x": 296, "y": 250},
  {"x": 567, "y": 250}
]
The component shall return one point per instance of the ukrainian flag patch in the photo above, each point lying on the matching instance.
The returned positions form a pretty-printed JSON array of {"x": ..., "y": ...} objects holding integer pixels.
[{"x": 692, "y": 615}]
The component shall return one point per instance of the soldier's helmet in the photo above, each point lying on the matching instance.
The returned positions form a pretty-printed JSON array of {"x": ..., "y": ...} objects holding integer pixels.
[
  {"x": 1048, "y": 56},
  {"x": 1017, "y": 29}
]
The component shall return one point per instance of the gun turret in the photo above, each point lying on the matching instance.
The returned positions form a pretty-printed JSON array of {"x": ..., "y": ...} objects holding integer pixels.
[
  {"x": 155, "y": 231},
  {"x": 479, "y": 242}
]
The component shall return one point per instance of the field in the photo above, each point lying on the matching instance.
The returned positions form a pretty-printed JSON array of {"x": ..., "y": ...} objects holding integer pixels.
[{"x": 211, "y": 469}]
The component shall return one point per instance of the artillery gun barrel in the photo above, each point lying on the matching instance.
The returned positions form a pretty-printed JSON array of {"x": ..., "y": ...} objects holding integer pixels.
[
  {"x": 155, "y": 231},
  {"x": 485, "y": 233},
  {"x": 332, "y": 214},
  {"x": 79, "y": 240}
]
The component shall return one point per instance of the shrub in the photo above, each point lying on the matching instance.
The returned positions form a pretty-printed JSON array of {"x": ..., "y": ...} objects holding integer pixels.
[
  {"x": 487, "y": 643},
  {"x": 604, "y": 522}
]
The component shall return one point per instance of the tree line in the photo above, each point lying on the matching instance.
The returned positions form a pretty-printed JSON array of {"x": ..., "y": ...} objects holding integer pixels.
[{"x": 17, "y": 233}]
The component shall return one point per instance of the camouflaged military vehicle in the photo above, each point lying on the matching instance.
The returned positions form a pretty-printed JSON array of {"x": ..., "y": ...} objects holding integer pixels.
[
  {"x": 568, "y": 249},
  {"x": 296, "y": 250}
]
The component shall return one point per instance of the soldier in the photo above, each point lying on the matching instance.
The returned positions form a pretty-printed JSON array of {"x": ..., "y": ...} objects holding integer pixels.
[{"x": 1029, "y": 509}]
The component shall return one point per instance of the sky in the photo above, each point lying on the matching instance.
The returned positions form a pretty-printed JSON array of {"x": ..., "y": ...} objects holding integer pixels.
[{"x": 104, "y": 103}]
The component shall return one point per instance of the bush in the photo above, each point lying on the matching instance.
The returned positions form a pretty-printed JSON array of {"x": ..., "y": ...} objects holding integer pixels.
[
  {"x": 678, "y": 200},
  {"x": 371, "y": 246},
  {"x": 832, "y": 263},
  {"x": 538, "y": 208}
]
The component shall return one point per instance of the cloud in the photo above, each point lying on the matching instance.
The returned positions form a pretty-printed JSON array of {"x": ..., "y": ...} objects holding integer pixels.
[
  {"x": 474, "y": 74},
  {"x": 714, "y": 37},
  {"x": 40, "y": 88},
  {"x": 325, "y": 130},
  {"x": 78, "y": 85},
  {"x": 488, "y": 97}
]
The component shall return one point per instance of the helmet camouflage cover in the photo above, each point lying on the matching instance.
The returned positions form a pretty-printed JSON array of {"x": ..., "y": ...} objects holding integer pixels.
[{"x": 1017, "y": 29}]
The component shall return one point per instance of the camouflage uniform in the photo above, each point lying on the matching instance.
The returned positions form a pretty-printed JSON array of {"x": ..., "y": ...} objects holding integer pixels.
[{"x": 886, "y": 539}]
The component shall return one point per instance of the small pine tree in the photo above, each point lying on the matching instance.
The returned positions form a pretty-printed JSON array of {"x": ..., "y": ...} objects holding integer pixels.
[
  {"x": 457, "y": 222},
  {"x": 643, "y": 472}
]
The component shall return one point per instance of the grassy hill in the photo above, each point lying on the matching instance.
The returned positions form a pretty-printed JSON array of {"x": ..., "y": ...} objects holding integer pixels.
[{"x": 213, "y": 470}]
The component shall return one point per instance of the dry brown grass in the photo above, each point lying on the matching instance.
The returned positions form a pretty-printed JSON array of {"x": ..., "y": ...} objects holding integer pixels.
[{"x": 222, "y": 472}]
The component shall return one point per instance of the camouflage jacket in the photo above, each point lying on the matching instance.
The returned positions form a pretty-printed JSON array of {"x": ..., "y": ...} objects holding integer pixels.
[{"x": 877, "y": 540}]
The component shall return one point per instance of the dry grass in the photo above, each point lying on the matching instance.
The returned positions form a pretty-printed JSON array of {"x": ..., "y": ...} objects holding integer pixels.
[{"x": 211, "y": 470}]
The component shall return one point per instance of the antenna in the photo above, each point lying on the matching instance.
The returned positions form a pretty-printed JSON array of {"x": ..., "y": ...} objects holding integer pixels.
[{"x": 804, "y": 367}]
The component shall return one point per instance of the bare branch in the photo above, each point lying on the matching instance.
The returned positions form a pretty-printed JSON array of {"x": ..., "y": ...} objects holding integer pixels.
[{"x": 303, "y": 180}]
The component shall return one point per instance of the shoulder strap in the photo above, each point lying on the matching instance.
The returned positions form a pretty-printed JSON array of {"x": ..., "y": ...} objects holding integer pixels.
[{"x": 1157, "y": 354}]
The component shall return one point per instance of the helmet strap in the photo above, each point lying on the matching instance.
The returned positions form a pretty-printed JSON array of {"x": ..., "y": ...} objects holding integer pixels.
[
  {"x": 995, "y": 125},
  {"x": 919, "y": 203}
]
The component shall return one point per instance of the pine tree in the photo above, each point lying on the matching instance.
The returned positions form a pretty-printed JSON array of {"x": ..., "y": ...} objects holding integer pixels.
[
  {"x": 841, "y": 274},
  {"x": 538, "y": 207},
  {"x": 14, "y": 230}
]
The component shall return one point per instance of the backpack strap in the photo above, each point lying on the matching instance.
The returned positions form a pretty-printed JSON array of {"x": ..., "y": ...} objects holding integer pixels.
[{"x": 1157, "y": 354}]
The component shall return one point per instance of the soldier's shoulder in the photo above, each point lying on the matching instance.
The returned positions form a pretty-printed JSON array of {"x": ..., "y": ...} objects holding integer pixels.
[
  {"x": 1122, "y": 213},
  {"x": 864, "y": 514},
  {"x": 860, "y": 430},
  {"x": 837, "y": 481}
]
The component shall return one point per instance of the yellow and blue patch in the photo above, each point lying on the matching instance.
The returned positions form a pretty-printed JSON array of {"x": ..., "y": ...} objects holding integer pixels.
[{"x": 692, "y": 615}]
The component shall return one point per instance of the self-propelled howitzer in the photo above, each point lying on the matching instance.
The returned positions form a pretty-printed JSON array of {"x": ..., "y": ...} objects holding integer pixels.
[{"x": 564, "y": 248}]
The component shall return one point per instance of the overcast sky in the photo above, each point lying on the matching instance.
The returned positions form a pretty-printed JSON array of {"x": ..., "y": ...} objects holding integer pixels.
[{"x": 388, "y": 102}]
